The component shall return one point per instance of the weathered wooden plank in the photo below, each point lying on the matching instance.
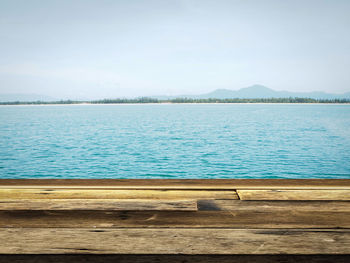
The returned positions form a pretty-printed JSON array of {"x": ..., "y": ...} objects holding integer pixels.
[
  {"x": 294, "y": 194},
  {"x": 178, "y": 183},
  {"x": 174, "y": 219},
  {"x": 173, "y": 241},
  {"x": 114, "y": 194},
  {"x": 124, "y": 258},
  {"x": 265, "y": 206},
  {"x": 98, "y": 204}
]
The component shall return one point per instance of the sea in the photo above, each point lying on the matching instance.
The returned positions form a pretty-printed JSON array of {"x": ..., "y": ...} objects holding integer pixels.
[{"x": 175, "y": 141}]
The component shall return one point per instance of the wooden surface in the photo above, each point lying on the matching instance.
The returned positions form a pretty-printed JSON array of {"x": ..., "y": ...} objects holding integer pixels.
[
  {"x": 98, "y": 204},
  {"x": 174, "y": 241},
  {"x": 192, "y": 217},
  {"x": 166, "y": 258},
  {"x": 273, "y": 206},
  {"x": 175, "y": 219},
  {"x": 307, "y": 194},
  {"x": 178, "y": 183},
  {"x": 114, "y": 194}
]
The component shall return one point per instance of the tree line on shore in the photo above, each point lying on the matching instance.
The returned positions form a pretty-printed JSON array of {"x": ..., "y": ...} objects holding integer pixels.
[{"x": 144, "y": 100}]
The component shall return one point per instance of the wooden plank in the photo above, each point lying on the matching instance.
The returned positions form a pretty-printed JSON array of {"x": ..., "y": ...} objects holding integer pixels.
[
  {"x": 174, "y": 219},
  {"x": 161, "y": 258},
  {"x": 178, "y": 183},
  {"x": 264, "y": 206},
  {"x": 114, "y": 194},
  {"x": 98, "y": 204},
  {"x": 173, "y": 241},
  {"x": 294, "y": 194}
]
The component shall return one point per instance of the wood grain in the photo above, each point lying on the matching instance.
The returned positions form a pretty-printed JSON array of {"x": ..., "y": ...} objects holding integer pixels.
[
  {"x": 48, "y": 193},
  {"x": 98, "y": 204},
  {"x": 174, "y": 219},
  {"x": 178, "y": 183},
  {"x": 161, "y": 258},
  {"x": 161, "y": 217},
  {"x": 173, "y": 241},
  {"x": 294, "y": 195},
  {"x": 265, "y": 206}
]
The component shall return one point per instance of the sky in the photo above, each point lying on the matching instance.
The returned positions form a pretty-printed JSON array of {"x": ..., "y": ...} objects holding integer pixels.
[{"x": 83, "y": 49}]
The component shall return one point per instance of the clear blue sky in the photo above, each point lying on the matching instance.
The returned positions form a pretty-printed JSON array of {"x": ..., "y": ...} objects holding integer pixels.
[{"x": 96, "y": 49}]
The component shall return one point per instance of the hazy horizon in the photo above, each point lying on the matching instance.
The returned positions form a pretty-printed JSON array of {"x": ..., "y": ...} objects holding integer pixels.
[{"x": 102, "y": 49}]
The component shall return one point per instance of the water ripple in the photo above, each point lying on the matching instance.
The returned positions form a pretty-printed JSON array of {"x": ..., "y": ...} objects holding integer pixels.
[{"x": 175, "y": 141}]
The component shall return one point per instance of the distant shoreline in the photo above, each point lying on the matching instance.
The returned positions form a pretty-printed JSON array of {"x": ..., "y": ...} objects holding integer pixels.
[
  {"x": 174, "y": 103},
  {"x": 147, "y": 100}
]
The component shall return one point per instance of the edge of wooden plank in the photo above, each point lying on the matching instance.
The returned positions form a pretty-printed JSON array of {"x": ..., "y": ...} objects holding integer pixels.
[
  {"x": 179, "y": 183},
  {"x": 47, "y": 193}
]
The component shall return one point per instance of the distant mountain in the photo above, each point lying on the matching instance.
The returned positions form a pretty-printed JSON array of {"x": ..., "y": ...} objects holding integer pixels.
[
  {"x": 24, "y": 97},
  {"x": 252, "y": 92},
  {"x": 257, "y": 92}
]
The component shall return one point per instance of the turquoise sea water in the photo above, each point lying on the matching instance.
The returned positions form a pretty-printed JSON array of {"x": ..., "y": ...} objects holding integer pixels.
[{"x": 175, "y": 141}]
